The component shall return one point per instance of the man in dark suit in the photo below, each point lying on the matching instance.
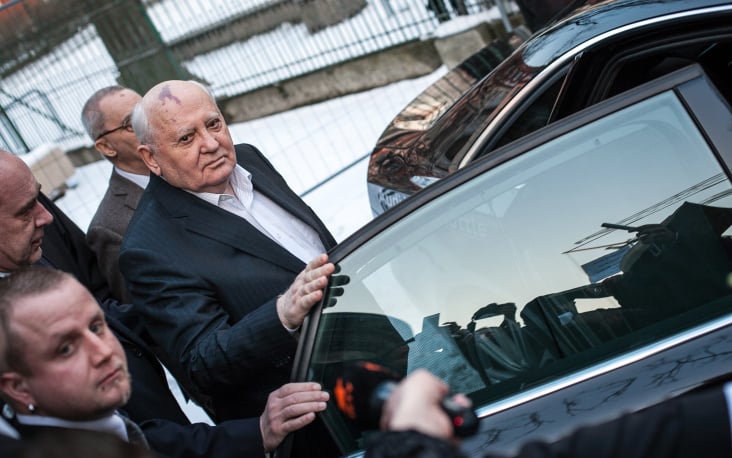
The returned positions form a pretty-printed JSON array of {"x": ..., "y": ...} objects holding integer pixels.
[
  {"x": 688, "y": 426},
  {"x": 34, "y": 231},
  {"x": 106, "y": 118},
  {"x": 64, "y": 248},
  {"x": 63, "y": 368},
  {"x": 214, "y": 255}
]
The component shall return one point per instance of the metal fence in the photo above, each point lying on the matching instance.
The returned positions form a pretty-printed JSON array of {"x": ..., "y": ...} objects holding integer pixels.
[{"x": 55, "y": 53}]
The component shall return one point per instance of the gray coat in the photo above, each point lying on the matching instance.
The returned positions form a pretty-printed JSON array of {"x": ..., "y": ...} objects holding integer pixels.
[{"x": 107, "y": 228}]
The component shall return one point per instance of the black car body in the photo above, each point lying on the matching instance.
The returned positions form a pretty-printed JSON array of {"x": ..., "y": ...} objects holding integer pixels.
[
  {"x": 578, "y": 272},
  {"x": 594, "y": 53}
]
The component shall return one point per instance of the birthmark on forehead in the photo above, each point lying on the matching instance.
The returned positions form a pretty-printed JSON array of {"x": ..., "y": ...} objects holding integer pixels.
[{"x": 166, "y": 94}]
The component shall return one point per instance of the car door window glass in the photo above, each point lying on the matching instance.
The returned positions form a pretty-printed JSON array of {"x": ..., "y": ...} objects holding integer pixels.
[
  {"x": 648, "y": 62},
  {"x": 634, "y": 68},
  {"x": 511, "y": 280}
]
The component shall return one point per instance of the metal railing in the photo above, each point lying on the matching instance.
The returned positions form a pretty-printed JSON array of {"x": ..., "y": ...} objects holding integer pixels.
[{"x": 62, "y": 51}]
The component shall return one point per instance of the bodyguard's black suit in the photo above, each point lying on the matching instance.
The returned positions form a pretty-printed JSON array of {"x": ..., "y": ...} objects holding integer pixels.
[
  {"x": 64, "y": 248},
  {"x": 234, "y": 439},
  {"x": 205, "y": 282},
  {"x": 152, "y": 406},
  {"x": 12, "y": 447},
  {"x": 49, "y": 442}
]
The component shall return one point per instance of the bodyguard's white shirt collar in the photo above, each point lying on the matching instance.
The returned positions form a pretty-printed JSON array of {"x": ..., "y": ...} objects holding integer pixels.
[
  {"x": 139, "y": 180},
  {"x": 111, "y": 424}
]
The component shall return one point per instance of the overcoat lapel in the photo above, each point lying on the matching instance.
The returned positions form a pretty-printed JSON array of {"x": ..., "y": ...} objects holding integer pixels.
[
  {"x": 217, "y": 224},
  {"x": 123, "y": 188},
  {"x": 212, "y": 222},
  {"x": 276, "y": 189}
]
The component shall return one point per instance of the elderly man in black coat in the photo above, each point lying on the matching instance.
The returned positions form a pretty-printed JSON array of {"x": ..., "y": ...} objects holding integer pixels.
[{"x": 215, "y": 256}]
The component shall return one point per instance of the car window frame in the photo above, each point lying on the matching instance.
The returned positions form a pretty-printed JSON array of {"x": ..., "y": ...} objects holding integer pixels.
[
  {"x": 483, "y": 142},
  {"x": 703, "y": 102}
]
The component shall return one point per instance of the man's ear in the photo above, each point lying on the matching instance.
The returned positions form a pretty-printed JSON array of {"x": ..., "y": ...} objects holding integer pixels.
[
  {"x": 105, "y": 148},
  {"x": 148, "y": 157},
  {"x": 15, "y": 387}
]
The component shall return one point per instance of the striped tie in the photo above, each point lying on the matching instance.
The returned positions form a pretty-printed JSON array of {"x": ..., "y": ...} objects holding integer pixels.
[{"x": 134, "y": 433}]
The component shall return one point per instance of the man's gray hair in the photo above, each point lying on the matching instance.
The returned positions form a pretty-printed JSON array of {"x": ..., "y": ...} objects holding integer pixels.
[{"x": 140, "y": 125}]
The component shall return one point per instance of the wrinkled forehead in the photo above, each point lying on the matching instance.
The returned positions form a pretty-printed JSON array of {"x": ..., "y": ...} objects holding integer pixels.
[
  {"x": 168, "y": 100},
  {"x": 54, "y": 312},
  {"x": 122, "y": 101}
]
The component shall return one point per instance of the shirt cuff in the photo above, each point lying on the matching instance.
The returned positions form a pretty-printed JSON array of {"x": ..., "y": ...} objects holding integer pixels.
[{"x": 292, "y": 331}]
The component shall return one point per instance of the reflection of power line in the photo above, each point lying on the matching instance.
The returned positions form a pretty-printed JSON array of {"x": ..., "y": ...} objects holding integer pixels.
[
  {"x": 716, "y": 197},
  {"x": 676, "y": 198}
]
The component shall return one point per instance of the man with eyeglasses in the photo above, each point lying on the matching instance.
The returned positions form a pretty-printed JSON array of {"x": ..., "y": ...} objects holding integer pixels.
[{"x": 106, "y": 118}]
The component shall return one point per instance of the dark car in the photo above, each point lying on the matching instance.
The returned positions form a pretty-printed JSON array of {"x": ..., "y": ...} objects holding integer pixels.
[
  {"x": 579, "y": 272},
  {"x": 594, "y": 53}
]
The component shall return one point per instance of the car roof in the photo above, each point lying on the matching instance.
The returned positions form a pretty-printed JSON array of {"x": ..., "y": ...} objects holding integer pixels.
[
  {"x": 446, "y": 131},
  {"x": 590, "y": 22}
]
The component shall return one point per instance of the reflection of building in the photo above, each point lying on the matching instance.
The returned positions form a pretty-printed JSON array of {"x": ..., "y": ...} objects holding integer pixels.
[
  {"x": 677, "y": 198},
  {"x": 436, "y": 350},
  {"x": 683, "y": 264},
  {"x": 605, "y": 265},
  {"x": 677, "y": 266}
]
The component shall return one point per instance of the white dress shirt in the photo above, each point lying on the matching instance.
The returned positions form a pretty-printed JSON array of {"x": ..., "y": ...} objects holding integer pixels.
[
  {"x": 139, "y": 180},
  {"x": 111, "y": 424},
  {"x": 269, "y": 218}
]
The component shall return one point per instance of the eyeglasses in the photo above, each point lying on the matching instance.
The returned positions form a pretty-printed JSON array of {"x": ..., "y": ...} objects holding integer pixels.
[{"x": 125, "y": 125}]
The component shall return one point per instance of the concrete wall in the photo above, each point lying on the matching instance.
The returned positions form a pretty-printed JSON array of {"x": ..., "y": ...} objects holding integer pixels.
[{"x": 411, "y": 60}]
